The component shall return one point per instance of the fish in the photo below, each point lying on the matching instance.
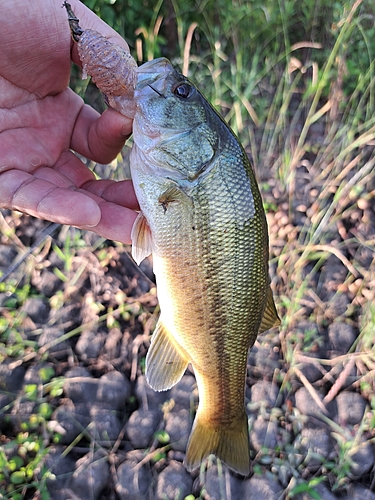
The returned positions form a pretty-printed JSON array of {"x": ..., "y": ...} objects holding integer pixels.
[{"x": 202, "y": 219}]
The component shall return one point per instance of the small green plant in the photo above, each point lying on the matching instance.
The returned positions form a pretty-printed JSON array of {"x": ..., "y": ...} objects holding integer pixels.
[
  {"x": 12, "y": 341},
  {"x": 366, "y": 339},
  {"x": 307, "y": 487},
  {"x": 22, "y": 470},
  {"x": 21, "y": 456},
  {"x": 67, "y": 254},
  {"x": 162, "y": 436},
  {"x": 22, "y": 453},
  {"x": 342, "y": 467}
]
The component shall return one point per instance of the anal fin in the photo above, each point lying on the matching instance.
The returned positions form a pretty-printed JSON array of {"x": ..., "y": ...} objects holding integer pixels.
[
  {"x": 165, "y": 363},
  {"x": 270, "y": 316}
]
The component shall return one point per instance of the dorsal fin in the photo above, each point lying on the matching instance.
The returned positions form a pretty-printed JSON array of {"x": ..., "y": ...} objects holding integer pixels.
[{"x": 270, "y": 316}]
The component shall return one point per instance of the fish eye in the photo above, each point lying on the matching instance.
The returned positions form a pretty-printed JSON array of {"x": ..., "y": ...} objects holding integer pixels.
[{"x": 183, "y": 90}]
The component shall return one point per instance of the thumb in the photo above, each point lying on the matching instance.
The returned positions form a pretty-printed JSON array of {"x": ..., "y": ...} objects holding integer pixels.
[{"x": 100, "y": 137}]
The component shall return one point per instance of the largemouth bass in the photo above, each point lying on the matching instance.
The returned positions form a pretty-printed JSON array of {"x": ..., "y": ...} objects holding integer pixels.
[{"x": 203, "y": 220}]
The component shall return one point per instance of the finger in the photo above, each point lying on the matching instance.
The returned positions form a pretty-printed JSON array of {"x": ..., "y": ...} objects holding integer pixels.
[
  {"x": 120, "y": 192},
  {"x": 43, "y": 199},
  {"x": 71, "y": 172},
  {"x": 72, "y": 169},
  {"x": 116, "y": 222},
  {"x": 100, "y": 138}
]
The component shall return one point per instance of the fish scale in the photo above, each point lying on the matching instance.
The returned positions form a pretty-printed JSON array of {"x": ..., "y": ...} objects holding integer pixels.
[{"x": 202, "y": 218}]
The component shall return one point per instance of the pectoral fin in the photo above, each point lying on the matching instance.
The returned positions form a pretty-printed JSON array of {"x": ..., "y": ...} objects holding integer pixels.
[
  {"x": 142, "y": 244},
  {"x": 172, "y": 195},
  {"x": 165, "y": 363},
  {"x": 270, "y": 316}
]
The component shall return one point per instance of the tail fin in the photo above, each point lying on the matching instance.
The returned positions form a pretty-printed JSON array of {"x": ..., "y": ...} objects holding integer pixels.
[{"x": 230, "y": 444}]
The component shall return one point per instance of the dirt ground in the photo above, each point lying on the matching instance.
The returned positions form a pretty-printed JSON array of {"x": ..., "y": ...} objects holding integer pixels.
[{"x": 87, "y": 317}]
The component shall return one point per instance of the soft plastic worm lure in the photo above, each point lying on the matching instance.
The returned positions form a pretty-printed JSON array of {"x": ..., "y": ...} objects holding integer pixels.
[{"x": 112, "y": 69}]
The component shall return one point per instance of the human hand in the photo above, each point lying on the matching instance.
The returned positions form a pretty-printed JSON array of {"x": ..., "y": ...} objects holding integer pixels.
[{"x": 41, "y": 120}]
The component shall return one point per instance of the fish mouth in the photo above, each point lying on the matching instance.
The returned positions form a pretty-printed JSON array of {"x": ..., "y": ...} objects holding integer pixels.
[{"x": 152, "y": 71}]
